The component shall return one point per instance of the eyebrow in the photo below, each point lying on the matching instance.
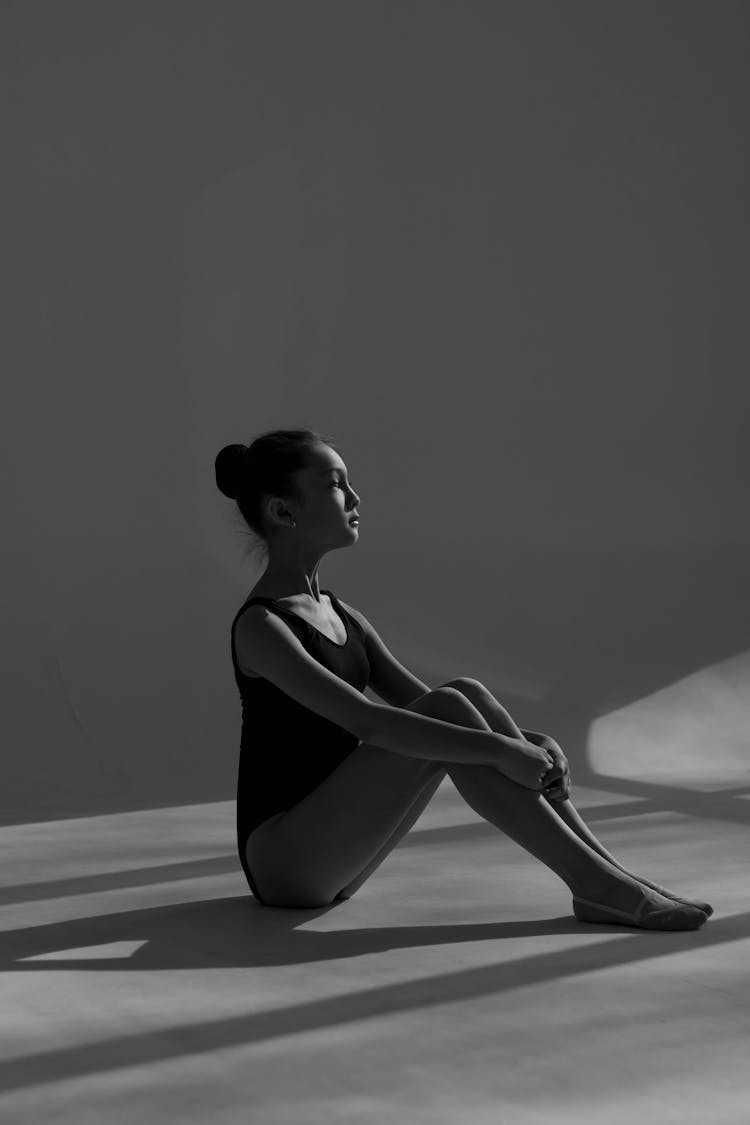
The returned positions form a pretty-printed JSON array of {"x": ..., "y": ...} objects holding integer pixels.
[{"x": 333, "y": 469}]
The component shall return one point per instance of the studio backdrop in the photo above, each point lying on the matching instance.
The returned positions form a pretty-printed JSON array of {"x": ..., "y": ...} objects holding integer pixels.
[{"x": 497, "y": 251}]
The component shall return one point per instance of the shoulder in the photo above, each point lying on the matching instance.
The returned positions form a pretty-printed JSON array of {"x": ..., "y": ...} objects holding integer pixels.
[
  {"x": 259, "y": 618},
  {"x": 248, "y": 619},
  {"x": 251, "y": 612}
]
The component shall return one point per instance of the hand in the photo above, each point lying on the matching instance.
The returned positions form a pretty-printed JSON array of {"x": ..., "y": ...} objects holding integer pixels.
[
  {"x": 523, "y": 762},
  {"x": 556, "y": 785}
]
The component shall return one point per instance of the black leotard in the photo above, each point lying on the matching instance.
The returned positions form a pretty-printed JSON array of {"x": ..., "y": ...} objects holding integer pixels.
[{"x": 286, "y": 750}]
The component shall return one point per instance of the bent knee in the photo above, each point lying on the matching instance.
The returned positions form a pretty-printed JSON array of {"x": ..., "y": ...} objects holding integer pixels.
[
  {"x": 476, "y": 692},
  {"x": 435, "y": 697},
  {"x": 448, "y": 703},
  {"x": 466, "y": 684}
]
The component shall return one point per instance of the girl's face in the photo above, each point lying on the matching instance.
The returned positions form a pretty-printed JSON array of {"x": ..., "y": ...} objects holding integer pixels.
[{"x": 331, "y": 502}]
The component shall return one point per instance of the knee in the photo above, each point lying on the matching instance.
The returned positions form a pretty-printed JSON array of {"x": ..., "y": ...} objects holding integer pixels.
[
  {"x": 471, "y": 689},
  {"x": 454, "y": 706},
  {"x": 467, "y": 685},
  {"x": 476, "y": 692}
]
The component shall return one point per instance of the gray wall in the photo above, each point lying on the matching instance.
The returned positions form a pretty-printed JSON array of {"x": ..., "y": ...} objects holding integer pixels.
[{"x": 497, "y": 250}]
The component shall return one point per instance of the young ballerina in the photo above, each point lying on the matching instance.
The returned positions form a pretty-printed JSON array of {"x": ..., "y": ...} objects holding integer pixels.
[{"x": 329, "y": 781}]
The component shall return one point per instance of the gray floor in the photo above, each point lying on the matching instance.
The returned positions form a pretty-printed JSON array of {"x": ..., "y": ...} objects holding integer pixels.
[{"x": 144, "y": 984}]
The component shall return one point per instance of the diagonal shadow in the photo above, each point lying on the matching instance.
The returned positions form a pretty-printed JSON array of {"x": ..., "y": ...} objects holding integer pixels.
[
  {"x": 210, "y": 1035},
  {"x": 715, "y": 805},
  {"x": 234, "y": 932},
  {"x": 114, "y": 880},
  {"x": 721, "y": 804},
  {"x": 710, "y": 806}
]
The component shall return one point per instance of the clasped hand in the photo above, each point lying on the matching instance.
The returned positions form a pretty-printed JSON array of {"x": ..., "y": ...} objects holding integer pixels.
[{"x": 556, "y": 785}]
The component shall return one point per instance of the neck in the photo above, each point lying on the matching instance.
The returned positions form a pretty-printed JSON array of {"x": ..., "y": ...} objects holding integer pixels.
[{"x": 292, "y": 583}]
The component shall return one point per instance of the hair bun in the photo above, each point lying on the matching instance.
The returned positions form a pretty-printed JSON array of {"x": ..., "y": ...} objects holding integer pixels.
[{"x": 228, "y": 467}]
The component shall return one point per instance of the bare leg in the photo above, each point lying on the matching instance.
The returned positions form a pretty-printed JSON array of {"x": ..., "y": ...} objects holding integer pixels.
[
  {"x": 525, "y": 816},
  {"x": 499, "y": 719},
  {"x": 574, "y": 820},
  {"x": 320, "y": 848}
]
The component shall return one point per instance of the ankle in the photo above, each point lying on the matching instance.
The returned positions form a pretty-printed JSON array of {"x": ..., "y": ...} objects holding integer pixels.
[{"x": 604, "y": 887}]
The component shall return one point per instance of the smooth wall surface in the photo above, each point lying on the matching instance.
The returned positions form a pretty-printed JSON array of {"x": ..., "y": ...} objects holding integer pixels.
[{"x": 498, "y": 252}]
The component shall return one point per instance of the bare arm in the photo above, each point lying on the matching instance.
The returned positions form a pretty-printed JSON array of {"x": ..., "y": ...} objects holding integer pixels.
[
  {"x": 422, "y": 736},
  {"x": 415, "y": 735}
]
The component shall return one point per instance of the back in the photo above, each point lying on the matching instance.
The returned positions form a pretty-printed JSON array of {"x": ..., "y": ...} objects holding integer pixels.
[{"x": 286, "y": 748}]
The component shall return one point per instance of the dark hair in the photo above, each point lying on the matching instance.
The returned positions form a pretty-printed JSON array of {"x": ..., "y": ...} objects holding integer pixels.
[{"x": 247, "y": 473}]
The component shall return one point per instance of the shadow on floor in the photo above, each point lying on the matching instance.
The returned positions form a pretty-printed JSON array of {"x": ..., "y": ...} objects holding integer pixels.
[
  {"x": 723, "y": 805},
  {"x": 237, "y": 932},
  {"x": 215, "y": 933}
]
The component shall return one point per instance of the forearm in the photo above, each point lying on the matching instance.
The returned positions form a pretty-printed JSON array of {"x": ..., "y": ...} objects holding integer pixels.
[{"x": 421, "y": 736}]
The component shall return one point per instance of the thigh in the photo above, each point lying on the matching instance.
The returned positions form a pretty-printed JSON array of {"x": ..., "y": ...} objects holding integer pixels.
[
  {"x": 304, "y": 856},
  {"x": 406, "y": 823}
]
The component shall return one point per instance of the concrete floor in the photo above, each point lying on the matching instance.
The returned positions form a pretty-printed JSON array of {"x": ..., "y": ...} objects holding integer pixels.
[{"x": 144, "y": 984}]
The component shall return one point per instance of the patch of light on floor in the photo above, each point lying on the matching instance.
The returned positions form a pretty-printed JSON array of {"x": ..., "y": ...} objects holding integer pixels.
[{"x": 110, "y": 949}]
